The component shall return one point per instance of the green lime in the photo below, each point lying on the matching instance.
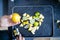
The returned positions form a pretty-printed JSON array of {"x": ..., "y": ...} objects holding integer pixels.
[
  {"x": 33, "y": 16},
  {"x": 36, "y": 16},
  {"x": 36, "y": 23},
  {"x": 37, "y": 13}
]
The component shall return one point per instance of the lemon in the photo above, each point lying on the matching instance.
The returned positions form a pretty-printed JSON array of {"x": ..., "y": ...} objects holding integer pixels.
[{"x": 15, "y": 17}]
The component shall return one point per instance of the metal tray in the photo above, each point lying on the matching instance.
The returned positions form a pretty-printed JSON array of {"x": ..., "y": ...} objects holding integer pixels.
[{"x": 46, "y": 29}]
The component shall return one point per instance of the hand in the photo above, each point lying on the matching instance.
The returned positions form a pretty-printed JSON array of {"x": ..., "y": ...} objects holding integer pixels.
[
  {"x": 20, "y": 37},
  {"x": 6, "y": 21}
]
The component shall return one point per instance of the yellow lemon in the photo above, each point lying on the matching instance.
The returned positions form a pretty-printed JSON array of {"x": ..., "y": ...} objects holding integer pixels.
[{"x": 15, "y": 17}]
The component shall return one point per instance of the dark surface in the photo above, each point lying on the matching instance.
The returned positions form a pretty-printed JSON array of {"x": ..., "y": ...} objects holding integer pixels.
[
  {"x": 30, "y": 2},
  {"x": 54, "y": 3},
  {"x": 4, "y": 35},
  {"x": 47, "y": 26},
  {"x": 5, "y": 7}
]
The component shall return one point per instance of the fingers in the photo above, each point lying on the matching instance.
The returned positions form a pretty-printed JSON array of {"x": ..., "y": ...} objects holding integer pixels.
[
  {"x": 21, "y": 38},
  {"x": 10, "y": 22}
]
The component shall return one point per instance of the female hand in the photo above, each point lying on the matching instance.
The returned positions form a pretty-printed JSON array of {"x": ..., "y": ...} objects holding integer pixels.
[{"x": 6, "y": 21}]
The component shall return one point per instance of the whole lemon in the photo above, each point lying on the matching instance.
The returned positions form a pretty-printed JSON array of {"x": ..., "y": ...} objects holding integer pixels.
[{"x": 15, "y": 17}]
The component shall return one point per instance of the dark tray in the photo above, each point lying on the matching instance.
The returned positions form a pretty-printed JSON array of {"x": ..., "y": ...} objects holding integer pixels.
[{"x": 46, "y": 29}]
